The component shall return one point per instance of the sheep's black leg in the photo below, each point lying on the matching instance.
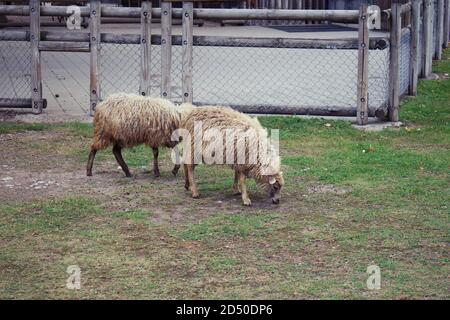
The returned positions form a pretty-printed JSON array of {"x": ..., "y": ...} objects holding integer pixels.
[
  {"x": 186, "y": 177},
  {"x": 155, "y": 163},
  {"x": 90, "y": 162},
  {"x": 117, "y": 150},
  {"x": 176, "y": 167}
]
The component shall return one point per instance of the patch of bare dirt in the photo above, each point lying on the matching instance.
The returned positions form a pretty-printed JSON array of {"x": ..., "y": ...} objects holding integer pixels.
[
  {"x": 51, "y": 117},
  {"x": 40, "y": 165},
  {"x": 8, "y": 115},
  {"x": 328, "y": 188}
]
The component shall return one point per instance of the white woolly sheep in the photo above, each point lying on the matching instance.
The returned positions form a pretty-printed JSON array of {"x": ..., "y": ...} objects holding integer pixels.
[
  {"x": 126, "y": 120},
  {"x": 265, "y": 170}
]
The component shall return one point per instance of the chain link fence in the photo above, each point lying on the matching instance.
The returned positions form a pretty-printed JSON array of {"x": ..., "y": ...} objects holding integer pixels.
[
  {"x": 434, "y": 18},
  {"x": 244, "y": 75},
  {"x": 119, "y": 68},
  {"x": 378, "y": 93},
  {"x": 405, "y": 51},
  {"x": 15, "y": 69},
  {"x": 420, "y": 46},
  {"x": 312, "y": 77},
  {"x": 276, "y": 76}
]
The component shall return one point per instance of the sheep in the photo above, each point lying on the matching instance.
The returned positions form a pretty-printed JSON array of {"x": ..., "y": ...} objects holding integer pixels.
[
  {"x": 126, "y": 120},
  {"x": 265, "y": 170}
]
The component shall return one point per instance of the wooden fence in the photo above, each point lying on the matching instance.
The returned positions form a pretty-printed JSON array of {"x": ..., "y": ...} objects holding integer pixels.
[{"x": 419, "y": 12}]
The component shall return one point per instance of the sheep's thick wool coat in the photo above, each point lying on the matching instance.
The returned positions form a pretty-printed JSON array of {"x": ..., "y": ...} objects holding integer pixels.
[
  {"x": 129, "y": 120},
  {"x": 223, "y": 118}
]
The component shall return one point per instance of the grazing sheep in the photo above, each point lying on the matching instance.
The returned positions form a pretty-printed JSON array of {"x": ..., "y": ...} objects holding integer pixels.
[
  {"x": 265, "y": 170},
  {"x": 126, "y": 120}
]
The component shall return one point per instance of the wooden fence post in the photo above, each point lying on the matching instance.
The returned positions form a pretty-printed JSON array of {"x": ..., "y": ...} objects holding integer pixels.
[
  {"x": 413, "y": 64},
  {"x": 94, "y": 40},
  {"x": 362, "y": 113},
  {"x": 394, "y": 63},
  {"x": 36, "y": 77},
  {"x": 146, "y": 18},
  {"x": 187, "y": 44},
  {"x": 166, "y": 48},
  {"x": 439, "y": 29},
  {"x": 427, "y": 38},
  {"x": 446, "y": 23}
]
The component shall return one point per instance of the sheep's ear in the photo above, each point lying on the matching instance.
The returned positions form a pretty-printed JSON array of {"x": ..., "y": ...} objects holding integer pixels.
[{"x": 272, "y": 180}]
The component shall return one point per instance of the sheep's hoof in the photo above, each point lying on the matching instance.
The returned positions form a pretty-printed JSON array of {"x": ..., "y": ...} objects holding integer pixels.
[
  {"x": 186, "y": 186},
  {"x": 247, "y": 203},
  {"x": 156, "y": 174},
  {"x": 89, "y": 174},
  {"x": 128, "y": 175},
  {"x": 195, "y": 195},
  {"x": 175, "y": 170}
]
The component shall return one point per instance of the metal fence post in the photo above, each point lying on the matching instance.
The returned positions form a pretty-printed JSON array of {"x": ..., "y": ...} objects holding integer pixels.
[
  {"x": 413, "y": 65},
  {"x": 187, "y": 39},
  {"x": 36, "y": 77},
  {"x": 94, "y": 40},
  {"x": 427, "y": 38},
  {"x": 394, "y": 63},
  {"x": 362, "y": 113},
  {"x": 146, "y": 17},
  {"x": 166, "y": 48}
]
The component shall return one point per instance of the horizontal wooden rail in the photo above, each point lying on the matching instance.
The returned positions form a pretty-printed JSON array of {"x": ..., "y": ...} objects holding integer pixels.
[
  {"x": 303, "y": 110},
  {"x": 276, "y": 14},
  {"x": 19, "y": 103},
  {"x": 50, "y": 40},
  {"x": 15, "y": 103},
  {"x": 216, "y": 14},
  {"x": 64, "y": 46},
  {"x": 405, "y": 8}
]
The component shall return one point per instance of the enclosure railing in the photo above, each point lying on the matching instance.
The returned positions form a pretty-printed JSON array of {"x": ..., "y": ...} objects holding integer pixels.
[{"x": 374, "y": 74}]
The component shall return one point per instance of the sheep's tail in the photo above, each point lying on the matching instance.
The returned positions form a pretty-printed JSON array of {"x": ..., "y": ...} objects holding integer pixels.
[{"x": 99, "y": 141}]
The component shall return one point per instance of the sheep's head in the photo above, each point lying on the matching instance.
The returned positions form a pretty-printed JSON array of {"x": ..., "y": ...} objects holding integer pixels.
[
  {"x": 185, "y": 108},
  {"x": 276, "y": 182}
]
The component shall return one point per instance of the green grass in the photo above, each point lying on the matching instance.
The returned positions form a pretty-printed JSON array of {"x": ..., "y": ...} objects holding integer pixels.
[
  {"x": 6, "y": 127},
  {"x": 226, "y": 226},
  {"x": 79, "y": 129},
  {"x": 351, "y": 199}
]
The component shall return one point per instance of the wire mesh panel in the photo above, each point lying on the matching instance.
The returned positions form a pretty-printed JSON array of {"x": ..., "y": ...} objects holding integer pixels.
[
  {"x": 405, "y": 49},
  {"x": 420, "y": 47},
  {"x": 120, "y": 68},
  {"x": 434, "y": 18},
  {"x": 155, "y": 70},
  {"x": 176, "y": 72},
  {"x": 65, "y": 81},
  {"x": 275, "y": 76},
  {"x": 378, "y": 77},
  {"x": 15, "y": 69},
  {"x": 121, "y": 64}
]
